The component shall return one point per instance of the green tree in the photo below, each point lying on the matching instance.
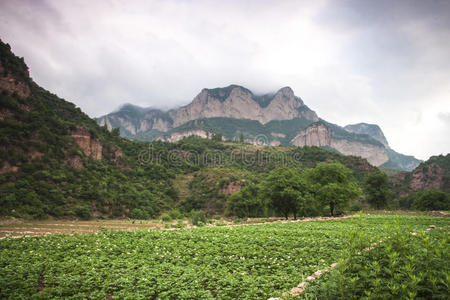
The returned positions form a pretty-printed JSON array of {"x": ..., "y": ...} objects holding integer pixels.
[
  {"x": 431, "y": 200},
  {"x": 241, "y": 138},
  {"x": 246, "y": 203},
  {"x": 376, "y": 189},
  {"x": 217, "y": 137},
  {"x": 332, "y": 185},
  {"x": 285, "y": 189}
]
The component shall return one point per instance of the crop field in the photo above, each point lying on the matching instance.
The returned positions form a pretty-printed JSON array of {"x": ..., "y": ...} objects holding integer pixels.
[{"x": 238, "y": 262}]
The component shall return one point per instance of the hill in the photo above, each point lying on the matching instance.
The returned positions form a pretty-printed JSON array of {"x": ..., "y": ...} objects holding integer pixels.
[
  {"x": 56, "y": 161},
  {"x": 279, "y": 118}
]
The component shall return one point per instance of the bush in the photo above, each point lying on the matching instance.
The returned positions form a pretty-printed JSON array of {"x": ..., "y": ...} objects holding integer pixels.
[
  {"x": 431, "y": 200},
  {"x": 139, "y": 214},
  {"x": 357, "y": 206},
  {"x": 83, "y": 212},
  {"x": 198, "y": 216},
  {"x": 404, "y": 266},
  {"x": 166, "y": 218},
  {"x": 175, "y": 214}
]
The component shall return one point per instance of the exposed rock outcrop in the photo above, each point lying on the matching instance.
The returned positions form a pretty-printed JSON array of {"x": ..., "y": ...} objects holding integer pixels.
[
  {"x": 6, "y": 168},
  {"x": 239, "y": 103},
  {"x": 89, "y": 145},
  {"x": 320, "y": 135},
  {"x": 233, "y": 187},
  {"x": 428, "y": 178},
  {"x": 177, "y": 136},
  {"x": 315, "y": 135},
  {"x": 75, "y": 162},
  {"x": 371, "y": 130}
]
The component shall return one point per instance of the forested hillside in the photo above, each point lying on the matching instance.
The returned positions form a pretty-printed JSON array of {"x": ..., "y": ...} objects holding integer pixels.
[{"x": 57, "y": 162}]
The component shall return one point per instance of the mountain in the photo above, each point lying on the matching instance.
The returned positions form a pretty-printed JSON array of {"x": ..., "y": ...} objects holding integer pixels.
[
  {"x": 396, "y": 160},
  {"x": 371, "y": 130},
  {"x": 232, "y": 102},
  {"x": 279, "y": 118},
  {"x": 57, "y": 162},
  {"x": 433, "y": 174}
]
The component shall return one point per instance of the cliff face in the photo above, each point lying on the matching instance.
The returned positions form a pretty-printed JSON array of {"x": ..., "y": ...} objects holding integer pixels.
[
  {"x": 177, "y": 136},
  {"x": 281, "y": 117},
  {"x": 371, "y": 130},
  {"x": 240, "y": 103},
  {"x": 90, "y": 146},
  {"x": 315, "y": 135},
  {"x": 231, "y": 102},
  {"x": 428, "y": 178},
  {"x": 322, "y": 136},
  {"x": 396, "y": 160}
]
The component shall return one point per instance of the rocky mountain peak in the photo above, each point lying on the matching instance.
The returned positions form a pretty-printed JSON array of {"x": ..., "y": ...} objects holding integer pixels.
[
  {"x": 371, "y": 130},
  {"x": 286, "y": 92}
]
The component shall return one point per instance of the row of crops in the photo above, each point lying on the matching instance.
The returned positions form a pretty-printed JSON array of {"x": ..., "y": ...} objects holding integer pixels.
[{"x": 245, "y": 262}]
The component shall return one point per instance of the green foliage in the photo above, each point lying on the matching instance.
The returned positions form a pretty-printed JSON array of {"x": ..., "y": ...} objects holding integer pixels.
[
  {"x": 166, "y": 218},
  {"x": 197, "y": 217},
  {"x": 12, "y": 64},
  {"x": 139, "y": 214},
  {"x": 83, "y": 212},
  {"x": 332, "y": 185},
  {"x": 247, "y": 202},
  {"x": 287, "y": 192},
  {"x": 356, "y": 206},
  {"x": 217, "y": 137},
  {"x": 377, "y": 189},
  {"x": 431, "y": 200},
  {"x": 175, "y": 214},
  {"x": 245, "y": 262},
  {"x": 402, "y": 266}
]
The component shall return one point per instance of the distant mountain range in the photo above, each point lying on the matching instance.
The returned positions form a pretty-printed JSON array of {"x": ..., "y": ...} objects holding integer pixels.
[{"x": 279, "y": 118}]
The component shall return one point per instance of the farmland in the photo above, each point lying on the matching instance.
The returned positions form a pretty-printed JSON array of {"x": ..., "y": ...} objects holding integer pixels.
[{"x": 223, "y": 262}]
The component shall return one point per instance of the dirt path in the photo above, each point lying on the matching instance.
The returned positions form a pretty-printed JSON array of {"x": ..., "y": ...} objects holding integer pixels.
[{"x": 20, "y": 228}]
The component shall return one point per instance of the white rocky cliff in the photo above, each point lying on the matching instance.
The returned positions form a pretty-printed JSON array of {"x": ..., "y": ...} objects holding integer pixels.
[{"x": 321, "y": 136}]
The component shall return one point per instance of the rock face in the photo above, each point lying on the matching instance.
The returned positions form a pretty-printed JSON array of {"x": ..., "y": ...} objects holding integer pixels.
[
  {"x": 315, "y": 135},
  {"x": 90, "y": 146},
  {"x": 396, "y": 160},
  {"x": 230, "y": 102},
  {"x": 376, "y": 155},
  {"x": 275, "y": 119},
  {"x": 371, "y": 130},
  {"x": 240, "y": 103},
  {"x": 320, "y": 135},
  {"x": 232, "y": 187},
  {"x": 177, "y": 136},
  {"x": 429, "y": 178}
]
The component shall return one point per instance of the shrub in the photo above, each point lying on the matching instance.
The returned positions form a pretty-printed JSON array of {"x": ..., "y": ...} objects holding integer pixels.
[
  {"x": 356, "y": 206},
  {"x": 83, "y": 212},
  {"x": 139, "y": 214},
  {"x": 198, "y": 216},
  {"x": 166, "y": 218},
  {"x": 431, "y": 200},
  {"x": 175, "y": 214}
]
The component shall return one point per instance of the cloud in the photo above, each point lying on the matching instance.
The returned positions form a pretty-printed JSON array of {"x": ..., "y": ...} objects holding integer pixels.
[{"x": 385, "y": 62}]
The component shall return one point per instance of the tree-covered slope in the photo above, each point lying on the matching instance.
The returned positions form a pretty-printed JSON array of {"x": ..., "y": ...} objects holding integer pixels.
[{"x": 56, "y": 161}]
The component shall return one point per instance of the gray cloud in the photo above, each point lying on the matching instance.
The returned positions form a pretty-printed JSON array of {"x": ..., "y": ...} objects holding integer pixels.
[{"x": 386, "y": 62}]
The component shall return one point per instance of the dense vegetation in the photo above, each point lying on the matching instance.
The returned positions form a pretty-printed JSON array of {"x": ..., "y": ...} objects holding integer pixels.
[
  {"x": 408, "y": 264},
  {"x": 244, "y": 262},
  {"x": 44, "y": 172}
]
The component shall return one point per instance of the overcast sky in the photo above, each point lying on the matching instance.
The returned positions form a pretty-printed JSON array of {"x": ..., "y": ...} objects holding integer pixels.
[{"x": 384, "y": 62}]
